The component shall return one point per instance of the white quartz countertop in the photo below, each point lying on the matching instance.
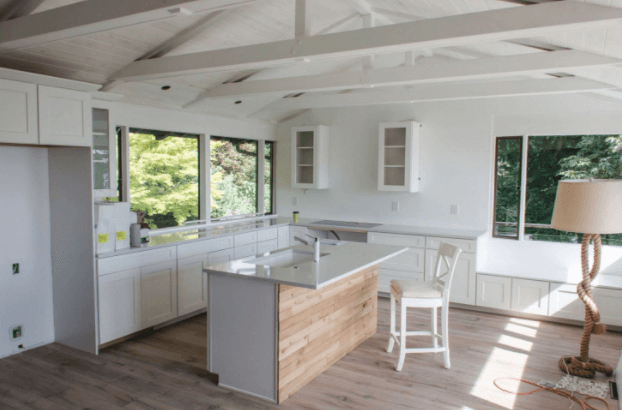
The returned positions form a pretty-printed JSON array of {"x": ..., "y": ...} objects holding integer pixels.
[{"x": 340, "y": 261}]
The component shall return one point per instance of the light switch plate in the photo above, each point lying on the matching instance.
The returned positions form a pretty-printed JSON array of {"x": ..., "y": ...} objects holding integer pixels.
[
  {"x": 395, "y": 206},
  {"x": 454, "y": 210},
  {"x": 295, "y": 201}
]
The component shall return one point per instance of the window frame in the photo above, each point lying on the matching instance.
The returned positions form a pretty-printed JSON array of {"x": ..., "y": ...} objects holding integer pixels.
[{"x": 521, "y": 198}]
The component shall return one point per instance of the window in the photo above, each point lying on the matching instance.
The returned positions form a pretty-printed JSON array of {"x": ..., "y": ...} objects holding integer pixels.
[
  {"x": 164, "y": 176},
  {"x": 233, "y": 176},
  {"x": 269, "y": 177},
  {"x": 549, "y": 160}
]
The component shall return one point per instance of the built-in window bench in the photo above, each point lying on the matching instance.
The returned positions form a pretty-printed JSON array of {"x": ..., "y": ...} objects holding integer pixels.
[{"x": 542, "y": 293}]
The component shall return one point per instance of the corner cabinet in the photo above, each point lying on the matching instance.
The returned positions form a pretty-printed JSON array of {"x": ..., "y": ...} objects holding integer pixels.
[
  {"x": 310, "y": 157},
  {"x": 398, "y": 156}
]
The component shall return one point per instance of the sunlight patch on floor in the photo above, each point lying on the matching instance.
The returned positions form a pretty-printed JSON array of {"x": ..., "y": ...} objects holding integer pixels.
[
  {"x": 516, "y": 342},
  {"x": 521, "y": 330},
  {"x": 525, "y": 322},
  {"x": 501, "y": 363}
]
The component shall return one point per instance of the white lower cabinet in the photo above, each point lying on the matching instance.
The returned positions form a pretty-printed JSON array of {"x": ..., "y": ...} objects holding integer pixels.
[
  {"x": 565, "y": 303},
  {"x": 463, "y": 284},
  {"x": 158, "y": 293},
  {"x": 240, "y": 252},
  {"x": 530, "y": 296},
  {"x": 494, "y": 292},
  {"x": 119, "y": 304},
  {"x": 283, "y": 237},
  {"x": 191, "y": 294},
  {"x": 267, "y": 246}
]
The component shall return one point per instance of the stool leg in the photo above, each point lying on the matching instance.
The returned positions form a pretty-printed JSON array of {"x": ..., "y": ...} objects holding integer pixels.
[
  {"x": 445, "y": 327},
  {"x": 434, "y": 326},
  {"x": 392, "y": 330},
  {"x": 400, "y": 362}
]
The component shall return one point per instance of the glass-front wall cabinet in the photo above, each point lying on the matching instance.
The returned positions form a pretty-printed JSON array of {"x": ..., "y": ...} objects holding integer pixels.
[{"x": 104, "y": 154}]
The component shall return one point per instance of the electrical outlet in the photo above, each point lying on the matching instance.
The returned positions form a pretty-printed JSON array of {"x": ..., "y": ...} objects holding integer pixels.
[
  {"x": 15, "y": 268},
  {"x": 454, "y": 210},
  {"x": 16, "y": 332},
  {"x": 295, "y": 201},
  {"x": 395, "y": 206}
]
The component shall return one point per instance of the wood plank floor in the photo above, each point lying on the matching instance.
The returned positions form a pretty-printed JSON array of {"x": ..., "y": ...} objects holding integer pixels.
[{"x": 163, "y": 370}]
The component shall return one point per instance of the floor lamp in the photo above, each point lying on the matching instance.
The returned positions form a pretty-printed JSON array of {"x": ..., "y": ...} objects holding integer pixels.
[{"x": 591, "y": 207}]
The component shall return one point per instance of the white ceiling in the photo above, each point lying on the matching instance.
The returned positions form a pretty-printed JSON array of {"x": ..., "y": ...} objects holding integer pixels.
[{"x": 95, "y": 57}]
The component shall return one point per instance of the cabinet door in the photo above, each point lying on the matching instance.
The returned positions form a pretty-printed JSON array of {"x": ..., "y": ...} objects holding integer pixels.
[
  {"x": 223, "y": 256},
  {"x": 64, "y": 117},
  {"x": 530, "y": 296},
  {"x": 463, "y": 282},
  {"x": 310, "y": 157},
  {"x": 191, "y": 286},
  {"x": 283, "y": 237},
  {"x": 267, "y": 246},
  {"x": 158, "y": 293},
  {"x": 18, "y": 113},
  {"x": 119, "y": 305},
  {"x": 386, "y": 275},
  {"x": 494, "y": 291},
  {"x": 104, "y": 152},
  {"x": 398, "y": 157},
  {"x": 565, "y": 303}
]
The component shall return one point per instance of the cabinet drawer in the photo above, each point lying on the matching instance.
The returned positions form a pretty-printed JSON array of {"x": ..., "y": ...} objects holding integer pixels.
[
  {"x": 244, "y": 251},
  {"x": 466, "y": 245},
  {"x": 385, "y": 276},
  {"x": 136, "y": 260},
  {"x": 267, "y": 246},
  {"x": 565, "y": 303},
  {"x": 245, "y": 238},
  {"x": 219, "y": 257},
  {"x": 398, "y": 240},
  {"x": 211, "y": 245},
  {"x": 267, "y": 234},
  {"x": 413, "y": 260},
  {"x": 494, "y": 292}
]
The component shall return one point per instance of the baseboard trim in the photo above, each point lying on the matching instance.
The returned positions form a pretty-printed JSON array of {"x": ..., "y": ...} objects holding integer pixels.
[{"x": 26, "y": 348}]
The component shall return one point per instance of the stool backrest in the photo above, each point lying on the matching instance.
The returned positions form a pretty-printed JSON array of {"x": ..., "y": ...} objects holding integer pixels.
[{"x": 445, "y": 267}]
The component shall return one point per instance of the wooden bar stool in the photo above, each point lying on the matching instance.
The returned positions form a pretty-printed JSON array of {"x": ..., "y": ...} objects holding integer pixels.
[{"x": 427, "y": 294}]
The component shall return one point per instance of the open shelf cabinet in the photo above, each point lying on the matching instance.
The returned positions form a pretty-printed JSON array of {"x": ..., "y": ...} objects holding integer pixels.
[
  {"x": 310, "y": 157},
  {"x": 398, "y": 156}
]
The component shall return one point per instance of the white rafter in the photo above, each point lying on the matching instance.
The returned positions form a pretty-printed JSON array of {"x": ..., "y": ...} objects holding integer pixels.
[
  {"x": 91, "y": 16},
  {"x": 425, "y": 34},
  {"x": 177, "y": 40},
  {"x": 443, "y": 92},
  {"x": 475, "y": 69}
]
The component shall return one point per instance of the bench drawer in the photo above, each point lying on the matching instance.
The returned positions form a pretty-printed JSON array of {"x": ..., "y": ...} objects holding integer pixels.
[
  {"x": 466, "y": 245},
  {"x": 209, "y": 246}
]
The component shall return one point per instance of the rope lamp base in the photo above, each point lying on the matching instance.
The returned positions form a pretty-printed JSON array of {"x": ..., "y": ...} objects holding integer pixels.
[
  {"x": 576, "y": 367},
  {"x": 584, "y": 365}
]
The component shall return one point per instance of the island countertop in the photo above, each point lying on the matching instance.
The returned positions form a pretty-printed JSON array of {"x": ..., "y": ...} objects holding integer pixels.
[{"x": 339, "y": 261}]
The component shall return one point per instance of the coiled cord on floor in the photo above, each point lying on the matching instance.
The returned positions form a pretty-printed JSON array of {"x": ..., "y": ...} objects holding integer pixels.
[{"x": 584, "y": 404}]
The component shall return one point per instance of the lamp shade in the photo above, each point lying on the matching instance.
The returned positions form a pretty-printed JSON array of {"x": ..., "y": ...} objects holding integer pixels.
[{"x": 589, "y": 206}]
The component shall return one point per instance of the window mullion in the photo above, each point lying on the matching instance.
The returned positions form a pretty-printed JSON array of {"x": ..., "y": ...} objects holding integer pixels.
[
  {"x": 261, "y": 176},
  {"x": 204, "y": 177},
  {"x": 523, "y": 188}
]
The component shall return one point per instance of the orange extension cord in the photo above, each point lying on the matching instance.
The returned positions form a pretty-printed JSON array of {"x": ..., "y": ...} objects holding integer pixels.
[{"x": 584, "y": 404}]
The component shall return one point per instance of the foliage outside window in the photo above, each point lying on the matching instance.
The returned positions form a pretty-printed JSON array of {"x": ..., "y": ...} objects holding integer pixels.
[
  {"x": 233, "y": 176},
  {"x": 507, "y": 186},
  {"x": 549, "y": 160},
  {"x": 164, "y": 176},
  {"x": 268, "y": 177}
]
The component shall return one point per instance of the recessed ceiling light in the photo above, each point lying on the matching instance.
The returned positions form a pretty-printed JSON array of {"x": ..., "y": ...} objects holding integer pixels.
[
  {"x": 166, "y": 87},
  {"x": 238, "y": 102}
]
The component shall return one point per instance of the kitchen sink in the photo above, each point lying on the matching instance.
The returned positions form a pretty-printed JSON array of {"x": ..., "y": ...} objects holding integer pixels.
[{"x": 284, "y": 259}]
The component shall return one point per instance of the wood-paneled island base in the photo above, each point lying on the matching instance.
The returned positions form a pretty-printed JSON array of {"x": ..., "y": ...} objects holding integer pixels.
[
  {"x": 278, "y": 320},
  {"x": 319, "y": 327}
]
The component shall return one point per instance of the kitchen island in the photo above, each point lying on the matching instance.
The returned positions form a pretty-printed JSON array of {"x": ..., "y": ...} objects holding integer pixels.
[{"x": 278, "y": 320}]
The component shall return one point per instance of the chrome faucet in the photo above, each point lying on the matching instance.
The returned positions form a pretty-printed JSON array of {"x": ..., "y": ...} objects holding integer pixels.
[{"x": 316, "y": 246}]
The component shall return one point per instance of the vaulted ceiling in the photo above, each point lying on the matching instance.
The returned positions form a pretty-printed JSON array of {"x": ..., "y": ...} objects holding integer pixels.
[{"x": 324, "y": 76}]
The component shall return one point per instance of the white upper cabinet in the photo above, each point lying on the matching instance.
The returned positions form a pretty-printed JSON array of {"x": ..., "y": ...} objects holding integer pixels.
[
  {"x": 310, "y": 157},
  {"x": 64, "y": 117},
  {"x": 18, "y": 112},
  {"x": 398, "y": 156},
  {"x": 104, "y": 152}
]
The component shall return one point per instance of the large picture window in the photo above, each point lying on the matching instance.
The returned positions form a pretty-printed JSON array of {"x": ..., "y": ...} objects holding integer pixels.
[
  {"x": 549, "y": 159},
  {"x": 164, "y": 176}
]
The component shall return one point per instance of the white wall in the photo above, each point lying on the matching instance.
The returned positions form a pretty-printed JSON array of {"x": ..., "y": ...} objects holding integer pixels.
[
  {"x": 456, "y": 156},
  {"x": 25, "y": 298}
]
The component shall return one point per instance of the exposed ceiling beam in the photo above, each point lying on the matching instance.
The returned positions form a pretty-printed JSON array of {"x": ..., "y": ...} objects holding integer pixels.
[
  {"x": 528, "y": 2},
  {"x": 301, "y": 22},
  {"x": 442, "y": 93},
  {"x": 455, "y": 30},
  {"x": 91, "y": 16},
  {"x": 177, "y": 40},
  {"x": 20, "y": 8},
  {"x": 420, "y": 74},
  {"x": 364, "y": 8}
]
